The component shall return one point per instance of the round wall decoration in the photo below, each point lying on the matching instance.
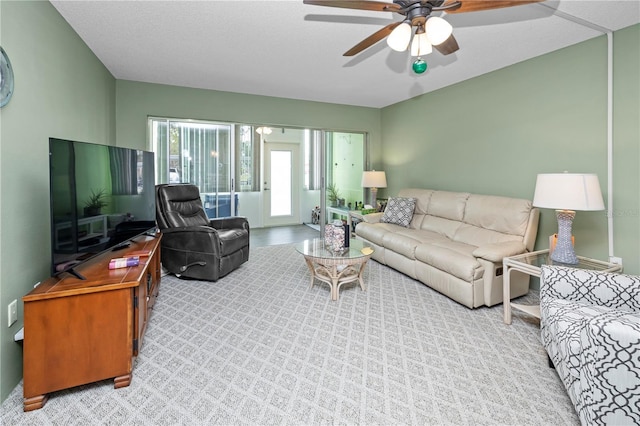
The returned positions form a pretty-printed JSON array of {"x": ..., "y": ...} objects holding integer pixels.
[{"x": 6, "y": 78}]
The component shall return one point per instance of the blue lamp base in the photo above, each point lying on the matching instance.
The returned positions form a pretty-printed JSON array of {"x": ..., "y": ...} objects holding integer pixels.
[{"x": 564, "y": 253}]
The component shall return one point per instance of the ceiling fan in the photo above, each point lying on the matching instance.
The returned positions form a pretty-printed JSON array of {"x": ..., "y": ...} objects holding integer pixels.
[{"x": 429, "y": 30}]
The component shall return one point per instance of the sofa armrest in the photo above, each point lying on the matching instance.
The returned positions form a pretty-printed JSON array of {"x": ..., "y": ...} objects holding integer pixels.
[
  {"x": 186, "y": 229},
  {"x": 203, "y": 239},
  {"x": 609, "y": 373},
  {"x": 234, "y": 222},
  {"x": 372, "y": 217},
  {"x": 618, "y": 291},
  {"x": 497, "y": 251}
]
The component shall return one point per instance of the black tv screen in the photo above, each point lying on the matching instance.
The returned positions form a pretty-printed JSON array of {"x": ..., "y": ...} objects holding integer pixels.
[{"x": 101, "y": 196}]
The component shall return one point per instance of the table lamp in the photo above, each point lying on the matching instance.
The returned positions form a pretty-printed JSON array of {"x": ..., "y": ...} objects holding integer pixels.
[
  {"x": 374, "y": 180},
  {"x": 567, "y": 192}
]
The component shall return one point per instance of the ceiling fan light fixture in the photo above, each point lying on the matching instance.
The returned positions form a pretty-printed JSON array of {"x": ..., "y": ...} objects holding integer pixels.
[
  {"x": 420, "y": 45},
  {"x": 438, "y": 30},
  {"x": 419, "y": 66},
  {"x": 399, "y": 38}
]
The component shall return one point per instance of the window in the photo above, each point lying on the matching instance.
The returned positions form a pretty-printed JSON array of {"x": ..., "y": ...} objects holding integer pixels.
[
  {"x": 199, "y": 152},
  {"x": 226, "y": 160},
  {"x": 248, "y": 159},
  {"x": 312, "y": 156},
  {"x": 280, "y": 179}
]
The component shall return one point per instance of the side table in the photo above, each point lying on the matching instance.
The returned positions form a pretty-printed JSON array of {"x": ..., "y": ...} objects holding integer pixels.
[
  {"x": 531, "y": 263},
  {"x": 355, "y": 217},
  {"x": 339, "y": 211}
]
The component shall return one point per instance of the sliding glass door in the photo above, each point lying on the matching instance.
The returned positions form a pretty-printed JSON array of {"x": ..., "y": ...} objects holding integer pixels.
[
  {"x": 199, "y": 153},
  {"x": 345, "y": 161},
  {"x": 274, "y": 176}
]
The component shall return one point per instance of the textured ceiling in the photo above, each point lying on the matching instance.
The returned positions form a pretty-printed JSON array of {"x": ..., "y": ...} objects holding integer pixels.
[{"x": 291, "y": 50}]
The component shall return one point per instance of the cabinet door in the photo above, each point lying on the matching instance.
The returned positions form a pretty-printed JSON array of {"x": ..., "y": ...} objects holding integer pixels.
[
  {"x": 145, "y": 295},
  {"x": 74, "y": 340},
  {"x": 154, "y": 284},
  {"x": 140, "y": 313}
]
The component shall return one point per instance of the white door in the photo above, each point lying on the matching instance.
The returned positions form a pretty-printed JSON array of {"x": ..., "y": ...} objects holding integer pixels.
[{"x": 281, "y": 184}]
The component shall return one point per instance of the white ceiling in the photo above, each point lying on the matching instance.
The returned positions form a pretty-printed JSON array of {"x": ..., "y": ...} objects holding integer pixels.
[{"x": 291, "y": 50}]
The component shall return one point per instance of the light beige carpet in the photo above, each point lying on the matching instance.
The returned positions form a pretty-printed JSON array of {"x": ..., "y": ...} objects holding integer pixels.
[{"x": 260, "y": 347}]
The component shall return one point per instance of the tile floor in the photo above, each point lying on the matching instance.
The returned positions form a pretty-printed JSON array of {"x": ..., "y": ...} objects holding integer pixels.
[{"x": 261, "y": 237}]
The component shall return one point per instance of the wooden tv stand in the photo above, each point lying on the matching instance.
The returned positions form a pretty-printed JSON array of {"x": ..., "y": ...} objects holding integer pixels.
[{"x": 83, "y": 331}]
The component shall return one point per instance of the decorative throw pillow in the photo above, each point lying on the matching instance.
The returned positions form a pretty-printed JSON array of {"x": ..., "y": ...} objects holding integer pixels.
[{"x": 399, "y": 211}]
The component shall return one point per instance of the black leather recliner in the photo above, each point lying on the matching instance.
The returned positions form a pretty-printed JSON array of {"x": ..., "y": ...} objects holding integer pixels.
[{"x": 193, "y": 245}]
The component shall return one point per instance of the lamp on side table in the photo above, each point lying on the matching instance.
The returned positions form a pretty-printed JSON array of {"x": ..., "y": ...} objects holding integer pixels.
[
  {"x": 374, "y": 180},
  {"x": 567, "y": 192}
]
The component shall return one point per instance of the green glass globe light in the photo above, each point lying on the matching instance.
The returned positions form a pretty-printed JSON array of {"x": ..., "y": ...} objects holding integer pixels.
[{"x": 419, "y": 66}]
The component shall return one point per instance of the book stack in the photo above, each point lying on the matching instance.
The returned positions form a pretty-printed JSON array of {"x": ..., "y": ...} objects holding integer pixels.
[
  {"x": 128, "y": 260},
  {"x": 124, "y": 262}
]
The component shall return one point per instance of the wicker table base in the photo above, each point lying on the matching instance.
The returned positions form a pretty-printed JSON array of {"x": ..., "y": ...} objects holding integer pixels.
[{"x": 335, "y": 269}]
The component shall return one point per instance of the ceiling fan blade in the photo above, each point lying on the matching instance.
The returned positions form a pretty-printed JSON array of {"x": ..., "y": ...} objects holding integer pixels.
[
  {"x": 478, "y": 5},
  {"x": 356, "y": 4},
  {"x": 372, "y": 39},
  {"x": 448, "y": 46}
]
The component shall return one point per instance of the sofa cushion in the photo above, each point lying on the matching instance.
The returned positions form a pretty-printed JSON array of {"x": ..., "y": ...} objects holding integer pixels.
[
  {"x": 375, "y": 232},
  {"x": 422, "y": 197},
  {"x": 476, "y": 236},
  {"x": 372, "y": 217},
  {"x": 401, "y": 244},
  {"x": 399, "y": 211},
  {"x": 446, "y": 227},
  {"x": 422, "y": 235},
  {"x": 455, "y": 259},
  {"x": 498, "y": 251},
  {"x": 501, "y": 214},
  {"x": 449, "y": 205}
]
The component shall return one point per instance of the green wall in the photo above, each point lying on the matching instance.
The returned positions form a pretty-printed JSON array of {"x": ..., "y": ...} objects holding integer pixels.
[
  {"x": 626, "y": 155},
  {"x": 61, "y": 90},
  {"x": 493, "y": 134},
  {"x": 136, "y": 101}
]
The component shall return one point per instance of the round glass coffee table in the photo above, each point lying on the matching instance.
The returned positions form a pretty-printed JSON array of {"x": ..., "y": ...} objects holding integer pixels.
[{"x": 335, "y": 268}]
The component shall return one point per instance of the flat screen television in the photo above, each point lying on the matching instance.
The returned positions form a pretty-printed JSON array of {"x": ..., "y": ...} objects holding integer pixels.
[{"x": 100, "y": 197}]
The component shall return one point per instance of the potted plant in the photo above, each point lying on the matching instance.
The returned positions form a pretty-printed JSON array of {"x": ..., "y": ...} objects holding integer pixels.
[
  {"x": 95, "y": 203},
  {"x": 333, "y": 194}
]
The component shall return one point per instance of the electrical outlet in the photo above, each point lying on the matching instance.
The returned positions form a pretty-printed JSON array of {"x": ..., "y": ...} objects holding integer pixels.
[
  {"x": 12, "y": 313},
  {"x": 616, "y": 260}
]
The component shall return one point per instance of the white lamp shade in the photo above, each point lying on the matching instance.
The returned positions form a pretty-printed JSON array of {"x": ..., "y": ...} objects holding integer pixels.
[
  {"x": 374, "y": 179},
  {"x": 438, "y": 30},
  {"x": 568, "y": 191},
  {"x": 399, "y": 38},
  {"x": 420, "y": 45}
]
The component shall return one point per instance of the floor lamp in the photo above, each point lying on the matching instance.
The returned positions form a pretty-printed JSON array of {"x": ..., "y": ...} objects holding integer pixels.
[
  {"x": 567, "y": 192},
  {"x": 374, "y": 180}
]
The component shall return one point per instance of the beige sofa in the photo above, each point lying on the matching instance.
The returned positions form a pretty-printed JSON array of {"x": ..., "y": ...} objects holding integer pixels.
[{"x": 455, "y": 243}]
